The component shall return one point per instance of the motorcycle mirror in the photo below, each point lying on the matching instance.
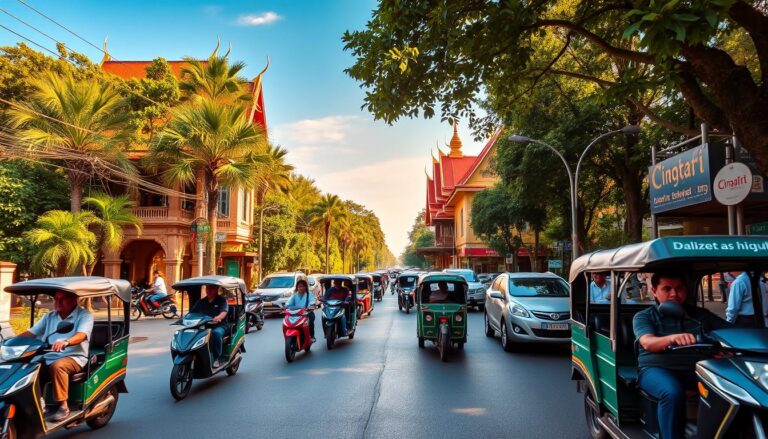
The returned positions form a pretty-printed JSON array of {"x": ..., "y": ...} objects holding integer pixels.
[
  {"x": 65, "y": 327},
  {"x": 671, "y": 309}
]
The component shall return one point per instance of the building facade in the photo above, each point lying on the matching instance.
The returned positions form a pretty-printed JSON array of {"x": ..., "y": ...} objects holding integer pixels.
[{"x": 166, "y": 242}]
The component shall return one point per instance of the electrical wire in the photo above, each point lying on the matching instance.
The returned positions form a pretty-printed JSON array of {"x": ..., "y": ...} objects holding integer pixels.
[
  {"x": 62, "y": 26},
  {"x": 30, "y": 41}
]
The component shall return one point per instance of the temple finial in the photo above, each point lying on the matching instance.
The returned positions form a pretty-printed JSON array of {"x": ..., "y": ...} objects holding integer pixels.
[
  {"x": 106, "y": 56},
  {"x": 216, "y": 50},
  {"x": 455, "y": 144}
]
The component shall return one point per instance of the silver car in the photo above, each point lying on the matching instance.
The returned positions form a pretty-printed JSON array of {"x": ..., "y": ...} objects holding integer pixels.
[
  {"x": 528, "y": 307},
  {"x": 475, "y": 288},
  {"x": 276, "y": 289}
]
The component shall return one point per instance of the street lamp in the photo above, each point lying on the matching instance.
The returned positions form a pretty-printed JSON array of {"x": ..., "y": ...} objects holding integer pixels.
[{"x": 573, "y": 179}]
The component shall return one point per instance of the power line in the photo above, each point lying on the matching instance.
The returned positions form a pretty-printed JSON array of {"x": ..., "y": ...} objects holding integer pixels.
[
  {"x": 62, "y": 26},
  {"x": 28, "y": 25},
  {"x": 30, "y": 41}
]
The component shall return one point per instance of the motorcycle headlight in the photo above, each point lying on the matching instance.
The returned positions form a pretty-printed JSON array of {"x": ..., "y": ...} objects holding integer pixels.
[
  {"x": 8, "y": 353},
  {"x": 759, "y": 372},
  {"x": 199, "y": 343},
  {"x": 174, "y": 345},
  {"x": 20, "y": 384},
  {"x": 191, "y": 322},
  {"x": 519, "y": 311}
]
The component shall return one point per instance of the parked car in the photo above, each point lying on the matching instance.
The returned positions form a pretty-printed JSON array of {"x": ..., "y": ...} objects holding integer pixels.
[
  {"x": 476, "y": 289},
  {"x": 276, "y": 289},
  {"x": 528, "y": 307},
  {"x": 485, "y": 279}
]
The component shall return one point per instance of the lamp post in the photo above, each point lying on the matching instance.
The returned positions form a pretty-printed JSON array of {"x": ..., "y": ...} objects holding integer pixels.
[{"x": 573, "y": 178}]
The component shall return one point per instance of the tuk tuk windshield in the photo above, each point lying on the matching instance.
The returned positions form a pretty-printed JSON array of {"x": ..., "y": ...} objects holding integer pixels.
[
  {"x": 538, "y": 287},
  {"x": 407, "y": 281},
  {"x": 443, "y": 292}
]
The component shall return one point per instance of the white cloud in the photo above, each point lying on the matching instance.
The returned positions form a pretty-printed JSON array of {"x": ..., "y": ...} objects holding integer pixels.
[
  {"x": 325, "y": 130},
  {"x": 258, "y": 19}
]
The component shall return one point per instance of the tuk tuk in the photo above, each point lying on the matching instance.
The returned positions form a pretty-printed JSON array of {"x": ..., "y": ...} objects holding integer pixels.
[
  {"x": 406, "y": 290},
  {"x": 190, "y": 345},
  {"x": 731, "y": 396},
  {"x": 365, "y": 288},
  {"x": 339, "y": 318},
  {"x": 442, "y": 311},
  {"x": 93, "y": 392},
  {"x": 378, "y": 286}
]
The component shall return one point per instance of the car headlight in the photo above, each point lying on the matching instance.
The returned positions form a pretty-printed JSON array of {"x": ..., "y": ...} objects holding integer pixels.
[
  {"x": 759, "y": 372},
  {"x": 20, "y": 384},
  {"x": 519, "y": 311},
  {"x": 288, "y": 293},
  {"x": 199, "y": 343},
  {"x": 8, "y": 353}
]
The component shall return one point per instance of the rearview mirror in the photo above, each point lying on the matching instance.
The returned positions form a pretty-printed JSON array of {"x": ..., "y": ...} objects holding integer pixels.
[
  {"x": 496, "y": 295},
  {"x": 672, "y": 309},
  {"x": 65, "y": 327}
]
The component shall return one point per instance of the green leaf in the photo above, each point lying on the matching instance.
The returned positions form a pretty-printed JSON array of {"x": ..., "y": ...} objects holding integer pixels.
[
  {"x": 631, "y": 29},
  {"x": 712, "y": 18},
  {"x": 651, "y": 16},
  {"x": 685, "y": 17},
  {"x": 670, "y": 5}
]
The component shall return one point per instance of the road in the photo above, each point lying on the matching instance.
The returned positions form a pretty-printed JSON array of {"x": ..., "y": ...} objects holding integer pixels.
[{"x": 379, "y": 385}]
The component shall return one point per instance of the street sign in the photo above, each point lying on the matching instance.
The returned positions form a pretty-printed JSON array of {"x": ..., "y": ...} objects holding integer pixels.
[
  {"x": 221, "y": 236},
  {"x": 682, "y": 180},
  {"x": 758, "y": 229},
  {"x": 732, "y": 183},
  {"x": 555, "y": 264}
]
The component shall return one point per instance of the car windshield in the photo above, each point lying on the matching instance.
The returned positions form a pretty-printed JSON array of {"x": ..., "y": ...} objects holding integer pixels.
[
  {"x": 469, "y": 276},
  {"x": 277, "y": 282},
  {"x": 537, "y": 287}
]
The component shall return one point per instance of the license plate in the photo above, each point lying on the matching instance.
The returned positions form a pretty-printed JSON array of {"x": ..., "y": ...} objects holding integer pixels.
[{"x": 555, "y": 326}]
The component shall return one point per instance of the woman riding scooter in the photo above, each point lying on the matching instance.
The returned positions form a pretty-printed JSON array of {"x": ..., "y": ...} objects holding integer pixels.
[{"x": 303, "y": 299}]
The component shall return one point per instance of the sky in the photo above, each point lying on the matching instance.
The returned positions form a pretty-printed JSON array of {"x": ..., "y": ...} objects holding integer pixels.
[{"x": 313, "y": 108}]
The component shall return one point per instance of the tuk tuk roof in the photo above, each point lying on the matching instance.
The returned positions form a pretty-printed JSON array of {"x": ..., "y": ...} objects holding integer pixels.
[
  {"x": 227, "y": 282},
  {"x": 81, "y": 286},
  {"x": 348, "y": 277},
  {"x": 438, "y": 276},
  {"x": 365, "y": 276},
  {"x": 652, "y": 254}
]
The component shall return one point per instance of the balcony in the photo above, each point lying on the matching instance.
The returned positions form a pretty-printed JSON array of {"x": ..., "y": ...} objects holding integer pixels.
[
  {"x": 444, "y": 241},
  {"x": 160, "y": 214}
]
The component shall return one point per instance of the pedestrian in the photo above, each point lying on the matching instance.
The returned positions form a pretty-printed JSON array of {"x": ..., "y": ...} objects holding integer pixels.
[
  {"x": 740, "y": 310},
  {"x": 599, "y": 288}
]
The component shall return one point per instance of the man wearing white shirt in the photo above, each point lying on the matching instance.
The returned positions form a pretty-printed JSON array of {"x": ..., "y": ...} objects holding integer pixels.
[{"x": 599, "y": 288}]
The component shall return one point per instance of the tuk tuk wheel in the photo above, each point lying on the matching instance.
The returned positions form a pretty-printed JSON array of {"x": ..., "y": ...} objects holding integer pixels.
[
  {"x": 231, "y": 370},
  {"x": 259, "y": 326},
  {"x": 104, "y": 418},
  {"x": 421, "y": 342},
  {"x": 596, "y": 431},
  {"x": 506, "y": 343},
  {"x": 443, "y": 346},
  {"x": 460, "y": 345},
  {"x": 135, "y": 312},
  {"x": 248, "y": 325},
  {"x": 181, "y": 381},
  {"x": 489, "y": 332}
]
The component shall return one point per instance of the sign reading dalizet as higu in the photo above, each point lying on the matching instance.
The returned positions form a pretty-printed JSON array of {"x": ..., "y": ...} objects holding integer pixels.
[{"x": 681, "y": 180}]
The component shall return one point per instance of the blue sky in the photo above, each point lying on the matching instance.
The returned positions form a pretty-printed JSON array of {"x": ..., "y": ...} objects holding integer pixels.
[{"x": 313, "y": 108}]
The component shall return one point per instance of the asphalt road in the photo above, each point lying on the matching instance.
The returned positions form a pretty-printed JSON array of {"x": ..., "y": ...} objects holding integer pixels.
[{"x": 379, "y": 385}]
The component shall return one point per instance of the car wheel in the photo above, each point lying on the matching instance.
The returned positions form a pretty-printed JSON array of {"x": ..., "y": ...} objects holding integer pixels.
[
  {"x": 489, "y": 332},
  {"x": 506, "y": 343}
]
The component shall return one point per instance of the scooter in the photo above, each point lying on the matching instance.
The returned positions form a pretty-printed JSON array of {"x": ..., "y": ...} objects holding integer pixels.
[
  {"x": 405, "y": 299},
  {"x": 296, "y": 332},
  {"x": 254, "y": 312},
  {"x": 333, "y": 311},
  {"x": 141, "y": 304},
  {"x": 191, "y": 353},
  {"x": 378, "y": 292}
]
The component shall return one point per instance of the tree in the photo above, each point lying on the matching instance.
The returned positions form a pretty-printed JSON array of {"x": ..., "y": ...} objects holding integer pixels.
[
  {"x": 96, "y": 107},
  {"x": 275, "y": 175},
  {"x": 160, "y": 85},
  {"x": 496, "y": 221},
  {"x": 62, "y": 242},
  {"x": 416, "y": 55},
  {"x": 214, "y": 79},
  {"x": 113, "y": 216},
  {"x": 217, "y": 141},
  {"x": 325, "y": 213},
  {"x": 419, "y": 236}
]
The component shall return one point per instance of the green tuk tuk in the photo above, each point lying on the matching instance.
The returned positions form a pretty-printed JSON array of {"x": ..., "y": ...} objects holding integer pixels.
[
  {"x": 731, "y": 364},
  {"x": 441, "y": 305},
  {"x": 93, "y": 392}
]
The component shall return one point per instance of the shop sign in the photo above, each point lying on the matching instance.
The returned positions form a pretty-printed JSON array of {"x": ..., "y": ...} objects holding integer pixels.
[
  {"x": 733, "y": 184},
  {"x": 680, "y": 181},
  {"x": 221, "y": 236},
  {"x": 479, "y": 252},
  {"x": 555, "y": 264},
  {"x": 758, "y": 229}
]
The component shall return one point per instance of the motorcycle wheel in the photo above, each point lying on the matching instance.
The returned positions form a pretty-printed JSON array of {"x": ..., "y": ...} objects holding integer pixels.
[
  {"x": 443, "y": 346},
  {"x": 232, "y": 369},
  {"x": 290, "y": 349},
  {"x": 167, "y": 312},
  {"x": 135, "y": 312},
  {"x": 259, "y": 325},
  {"x": 248, "y": 324},
  {"x": 181, "y": 381},
  {"x": 407, "y": 308},
  {"x": 103, "y": 419}
]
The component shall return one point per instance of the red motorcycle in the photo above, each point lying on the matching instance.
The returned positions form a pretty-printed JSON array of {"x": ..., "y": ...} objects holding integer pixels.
[
  {"x": 142, "y": 304},
  {"x": 296, "y": 332}
]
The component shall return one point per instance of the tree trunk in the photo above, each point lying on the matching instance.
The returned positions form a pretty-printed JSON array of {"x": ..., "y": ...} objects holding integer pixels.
[
  {"x": 327, "y": 251},
  {"x": 633, "y": 199},
  {"x": 261, "y": 242},
  {"x": 76, "y": 191},
  {"x": 213, "y": 209}
]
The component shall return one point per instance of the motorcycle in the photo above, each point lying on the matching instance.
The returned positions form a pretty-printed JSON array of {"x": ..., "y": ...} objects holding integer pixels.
[
  {"x": 296, "y": 332},
  {"x": 142, "y": 304},
  {"x": 254, "y": 312},
  {"x": 333, "y": 310}
]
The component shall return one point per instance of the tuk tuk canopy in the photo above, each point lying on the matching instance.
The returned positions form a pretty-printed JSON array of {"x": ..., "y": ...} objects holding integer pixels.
[
  {"x": 226, "y": 282},
  {"x": 81, "y": 286},
  {"x": 346, "y": 280},
  {"x": 698, "y": 253},
  {"x": 364, "y": 281}
]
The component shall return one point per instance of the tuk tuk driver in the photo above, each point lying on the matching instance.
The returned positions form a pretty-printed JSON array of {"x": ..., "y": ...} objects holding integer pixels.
[
  {"x": 69, "y": 351},
  {"x": 666, "y": 375},
  {"x": 216, "y": 307},
  {"x": 441, "y": 295}
]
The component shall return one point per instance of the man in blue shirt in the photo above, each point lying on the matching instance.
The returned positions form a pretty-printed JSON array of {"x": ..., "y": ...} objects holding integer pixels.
[
  {"x": 740, "y": 310},
  {"x": 216, "y": 307},
  {"x": 599, "y": 289}
]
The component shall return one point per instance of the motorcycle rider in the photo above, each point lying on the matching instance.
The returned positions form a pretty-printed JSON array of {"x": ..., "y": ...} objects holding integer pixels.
[
  {"x": 158, "y": 291},
  {"x": 69, "y": 352},
  {"x": 339, "y": 292},
  {"x": 215, "y": 306},
  {"x": 666, "y": 375},
  {"x": 303, "y": 299}
]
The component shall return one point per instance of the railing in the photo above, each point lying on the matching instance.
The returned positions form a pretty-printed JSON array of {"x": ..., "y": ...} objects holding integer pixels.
[
  {"x": 224, "y": 224},
  {"x": 151, "y": 212},
  {"x": 187, "y": 214},
  {"x": 444, "y": 241}
]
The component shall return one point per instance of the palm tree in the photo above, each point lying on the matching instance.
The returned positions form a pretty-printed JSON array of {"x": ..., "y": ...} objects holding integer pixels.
[
  {"x": 275, "y": 175},
  {"x": 214, "y": 79},
  {"x": 91, "y": 104},
  {"x": 215, "y": 140},
  {"x": 114, "y": 215},
  {"x": 62, "y": 242},
  {"x": 329, "y": 209},
  {"x": 346, "y": 239}
]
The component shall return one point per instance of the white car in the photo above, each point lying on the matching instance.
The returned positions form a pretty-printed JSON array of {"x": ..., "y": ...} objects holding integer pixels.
[
  {"x": 475, "y": 288},
  {"x": 276, "y": 289}
]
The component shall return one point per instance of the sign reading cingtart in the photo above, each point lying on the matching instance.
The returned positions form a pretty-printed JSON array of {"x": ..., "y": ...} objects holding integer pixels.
[{"x": 681, "y": 180}]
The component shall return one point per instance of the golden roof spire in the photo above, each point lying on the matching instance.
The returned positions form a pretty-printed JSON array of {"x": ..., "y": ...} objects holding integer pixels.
[
  {"x": 456, "y": 142},
  {"x": 106, "y": 56}
]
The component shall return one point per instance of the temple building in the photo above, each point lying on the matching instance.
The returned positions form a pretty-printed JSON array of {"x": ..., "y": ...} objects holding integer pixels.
[{"x": 166, "y": 242}]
